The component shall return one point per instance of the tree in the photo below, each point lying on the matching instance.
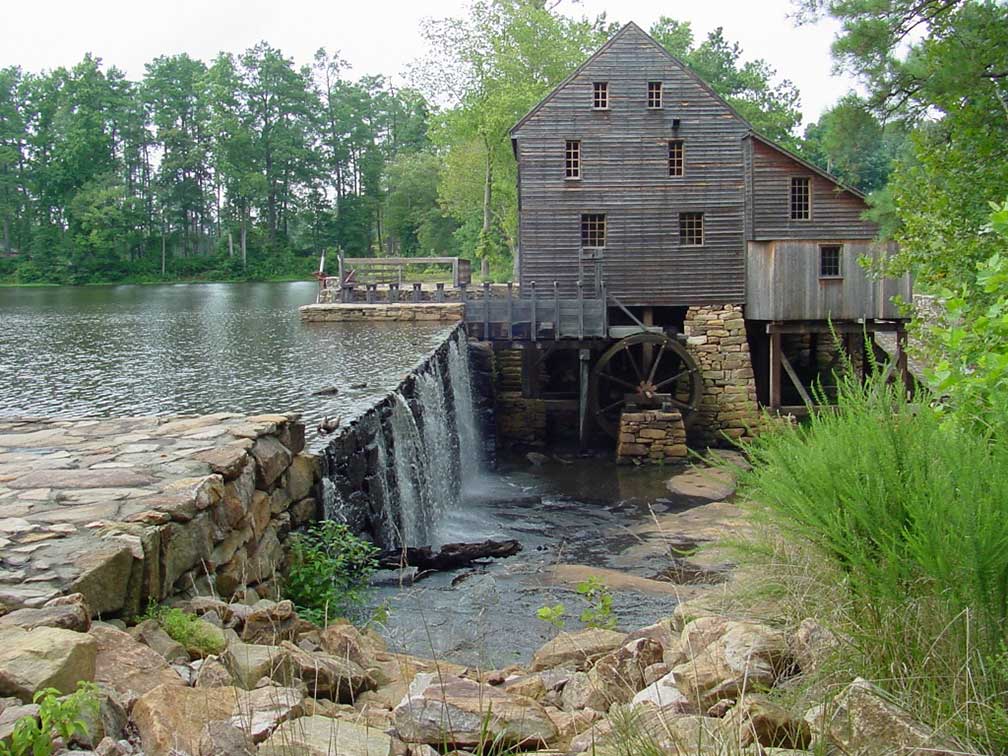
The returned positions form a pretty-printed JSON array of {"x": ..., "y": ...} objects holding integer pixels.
[
  {"x": 412, "y": 214},
  {"x": 771, "y": 108},
  {"x": 493, "y": 67}
]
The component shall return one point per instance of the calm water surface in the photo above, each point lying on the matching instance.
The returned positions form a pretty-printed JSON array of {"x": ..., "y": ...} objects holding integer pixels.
[{"x": 192, "y": 348}]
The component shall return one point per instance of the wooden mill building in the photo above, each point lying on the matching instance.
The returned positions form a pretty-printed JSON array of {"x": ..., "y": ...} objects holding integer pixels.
[{"x": 650, "y": 210}]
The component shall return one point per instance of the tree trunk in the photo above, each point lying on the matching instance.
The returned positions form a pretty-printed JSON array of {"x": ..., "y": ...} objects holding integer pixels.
[
  {"x": 230, "y": 244},
  {"x": 164, "y": 248},
  {"x": 6, "y": 235},
  {"x": 450, "y": 557},
  {"x": 244, "y": 235},
  {"x": 487, "y": 214}
]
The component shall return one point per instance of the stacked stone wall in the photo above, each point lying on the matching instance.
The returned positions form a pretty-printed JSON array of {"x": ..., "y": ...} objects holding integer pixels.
[
  {"x": 389, "y": 313},
  {"x": 132, "y": 510},
  {"x": 519, "y": 420},
  {"x": 651, "y": 436},
  {"x": 716, "y": 336}
]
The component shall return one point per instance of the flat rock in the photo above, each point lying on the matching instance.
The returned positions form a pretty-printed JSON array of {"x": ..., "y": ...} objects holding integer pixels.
[
  {"x": 249, "y": 663},
  {"x": 45, "y": 657},
  {"x": 450, "y": 710},
  {"x": 328, "y": 676},
  {"x": 324, "y": 736},
  {"x": 81, "y": 479},
  {"x": 714, "y": 483},
  {"x": 576, "y": 649}
]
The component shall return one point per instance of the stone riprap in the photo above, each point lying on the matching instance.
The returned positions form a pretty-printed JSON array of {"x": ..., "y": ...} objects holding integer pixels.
[
  {"x": 430, "y": 312},
  {"x": 125, "y": 511},
  {"x": 652, "y": 436}
]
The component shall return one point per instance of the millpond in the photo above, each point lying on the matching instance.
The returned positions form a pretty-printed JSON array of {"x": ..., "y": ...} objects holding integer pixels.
[{"x": 410, "y": 464}]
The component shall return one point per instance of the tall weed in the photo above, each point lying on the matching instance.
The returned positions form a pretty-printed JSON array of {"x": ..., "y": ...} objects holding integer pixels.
[{"x": 907, "y": 515}]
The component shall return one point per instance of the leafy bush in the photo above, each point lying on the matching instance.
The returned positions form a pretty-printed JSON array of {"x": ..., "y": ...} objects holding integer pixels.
[
  {"x": 57, "y": 714},
  {"x": 190, "y": 631},
  {"x": 599, "y": 612},
  {"x": 903, "y": 518},
  {"x": 329, "y": 572}
]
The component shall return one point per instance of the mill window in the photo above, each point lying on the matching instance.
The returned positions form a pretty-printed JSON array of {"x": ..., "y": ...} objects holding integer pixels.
[
  {"x": 801, "y": 198},
  {"x": 675, "y": 157},
  {"x": 593, "y": 229},
  {"x": 572, "y": 159},
  {"x": 831, "y": 261},
  {"x": 691, "y": 232},
  {"x": 654, "y": 95},
  {"x": 600, "y": 95}
]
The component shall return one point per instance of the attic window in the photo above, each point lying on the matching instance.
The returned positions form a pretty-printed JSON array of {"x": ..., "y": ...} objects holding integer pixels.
[
  {"x": 831, "y": 261},
  {"x": 801, "y": 198},
  {"x": 572, "y": 159},
  {"x": 600, "y": 95},
  {"x": 654, "y": 95},
  {"x": 675, "y": 157},
  {"x": 691, "y": 229},
  {"x": 593, "y": 228}
]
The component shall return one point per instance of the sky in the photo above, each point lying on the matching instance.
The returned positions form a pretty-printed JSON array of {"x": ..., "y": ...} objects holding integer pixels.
[{"x": 375, "y": 36}]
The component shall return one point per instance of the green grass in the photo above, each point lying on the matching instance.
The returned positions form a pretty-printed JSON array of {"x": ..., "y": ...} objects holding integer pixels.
[
  {"x": 191, "y": 632},
  {"x": 893, "y": 523}
]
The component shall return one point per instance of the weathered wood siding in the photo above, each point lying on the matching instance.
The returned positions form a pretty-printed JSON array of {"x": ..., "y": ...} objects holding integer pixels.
[
  {"x": 783, "y": 283},
  {"x": 624, "y": 153},
  {"x": 835, "y": 213}
]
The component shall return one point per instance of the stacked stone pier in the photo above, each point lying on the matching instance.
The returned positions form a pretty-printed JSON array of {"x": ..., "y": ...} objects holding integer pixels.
[{"x": 126, "y": 511}]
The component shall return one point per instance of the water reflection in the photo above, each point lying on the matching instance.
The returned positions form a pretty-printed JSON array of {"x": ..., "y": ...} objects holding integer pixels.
[{"x": 128, "y": 350}]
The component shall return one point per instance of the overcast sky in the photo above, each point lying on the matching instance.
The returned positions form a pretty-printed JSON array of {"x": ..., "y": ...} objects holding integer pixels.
[{"x": 376, "y": 36}]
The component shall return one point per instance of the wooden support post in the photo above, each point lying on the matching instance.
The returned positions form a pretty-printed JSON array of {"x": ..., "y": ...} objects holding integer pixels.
[
  {"x": 795, "y": 380},
  {"x": 486, "y": 310},
  {"x": 902, "y": 363},
  {"x": 584, "y": 356},
  {"x": 439, "y": 292},
  {"x": 417, "y": 295},
  {"x": 775, "y": 370},
  {"x": 369, "y": 292},
  {"x": 605, "y": 311},
  {"x": 533, "y": 328},
  {"x": 462, "y": 292},
  {"x": 647, "y": 350},
  {"x": 393, "y": 292},
  {"x": 510, "y": 310},
  {"x": 529, "y": 374},
  {"x": 455, "y": 274},
  {"x": 580, "y": 299},
  {"x": 556, "y": 311}
]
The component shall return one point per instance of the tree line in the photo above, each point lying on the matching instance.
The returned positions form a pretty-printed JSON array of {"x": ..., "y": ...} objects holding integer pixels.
[{"x": 250, "y": 166}]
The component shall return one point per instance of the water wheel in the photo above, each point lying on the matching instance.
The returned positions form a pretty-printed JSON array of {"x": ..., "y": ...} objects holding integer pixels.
[{"x": 646, "y": 369}]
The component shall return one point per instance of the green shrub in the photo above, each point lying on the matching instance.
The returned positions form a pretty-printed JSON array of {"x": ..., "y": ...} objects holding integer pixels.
[
  {"x": 190, "y": 631},
  {"x": 329, "y": 572},
  {"x": 57, "y": 714},
  {"x": 903, "y": 515}
]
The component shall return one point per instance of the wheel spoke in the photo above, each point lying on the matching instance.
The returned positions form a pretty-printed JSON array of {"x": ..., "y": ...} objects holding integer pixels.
[
  {"x": 619, "y": 381},
  {"x": 675, "y": 377},
  {"x": 629, "y": 354},
  {"x": 615, "y": 404},
  {"x": 654, "y": 365}
]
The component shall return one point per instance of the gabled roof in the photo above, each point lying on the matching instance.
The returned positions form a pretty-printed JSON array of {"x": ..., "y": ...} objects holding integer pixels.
[
  {"x": 811, "y": 166},
  {"x": 627, "y": 28}
]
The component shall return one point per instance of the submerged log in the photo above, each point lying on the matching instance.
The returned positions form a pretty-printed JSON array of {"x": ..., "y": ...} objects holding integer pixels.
[{"x": 450, "y": 557}]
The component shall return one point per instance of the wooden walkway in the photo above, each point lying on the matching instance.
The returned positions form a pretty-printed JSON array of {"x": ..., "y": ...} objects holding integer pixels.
[{"x": 536, "y": 316}]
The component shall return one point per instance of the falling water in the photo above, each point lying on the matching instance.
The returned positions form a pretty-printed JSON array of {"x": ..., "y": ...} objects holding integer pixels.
[
  {"x": 387, "y": 530},
  {"x": 470, "y": 453},
  {"x": 410, "y": 472},
  {"x": 332, "y": 502},
  {"x": 441, "y": 456}
]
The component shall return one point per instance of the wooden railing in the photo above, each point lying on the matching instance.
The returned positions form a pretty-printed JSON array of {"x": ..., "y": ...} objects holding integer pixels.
[
  {"x": 535, "y": 315},
  {"x": 391, "y": 270}
]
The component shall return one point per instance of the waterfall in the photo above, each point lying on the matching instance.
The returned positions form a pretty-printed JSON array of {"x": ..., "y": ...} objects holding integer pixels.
[
  {"x": 332, "y": 502},
  {"x": 441, "y": 455},
  {"x": 470, "y": 444},
  {"x": 409, "y": 458},
  {"x": 386, "y": 530}
]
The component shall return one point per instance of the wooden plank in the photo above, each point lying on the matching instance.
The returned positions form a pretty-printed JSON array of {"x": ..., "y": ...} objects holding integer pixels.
[
  {"x": 795, "y": 380},
  {"x": 775, "y": 369}
]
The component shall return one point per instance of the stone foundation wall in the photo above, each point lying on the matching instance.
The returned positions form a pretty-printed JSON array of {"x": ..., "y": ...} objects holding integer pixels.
[
  {"x": 716, "y": 336},
  {"x": 132, "y": 510},
  {"x": 389, "y": 313},
  {"x": 651, "y": 436}
]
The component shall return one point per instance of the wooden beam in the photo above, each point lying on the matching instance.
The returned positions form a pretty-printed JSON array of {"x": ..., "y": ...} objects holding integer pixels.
[
  {"x": 584, "y": 356},
  {"x": 786, "y": 363},
  {"x": 822, "y": 326},
  {"x": 775, "y": 370}
]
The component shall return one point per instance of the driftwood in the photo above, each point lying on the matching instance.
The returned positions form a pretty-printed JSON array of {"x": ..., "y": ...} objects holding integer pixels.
[{"x": 450, "y": 557}]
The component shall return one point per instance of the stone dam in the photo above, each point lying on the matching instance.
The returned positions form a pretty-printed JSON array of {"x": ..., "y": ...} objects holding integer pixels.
[{"x": 131, "y": 510}]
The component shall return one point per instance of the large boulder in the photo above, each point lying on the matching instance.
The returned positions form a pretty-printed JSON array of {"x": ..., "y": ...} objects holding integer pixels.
[
  {"x": 325, "y": 736},
  {"x": 614, "y": 678},
  {"x": 862, "y": 721},
  {"x": 129, "y": 667},
  {"x": 248, "y": 663},
  {"x": 172, "y": 721},
  {"x": 328, "y": 676},
  {"x": 64, "y": 612},
  {"x": 345, "y": 641},
  {"x": 746, "y": 657},
  {"x": 446, "y": 710},
  {"x": 763, "y": 723},
  {"x": 151, "y": 634},
  {"x": 45, "y": 657},
  {"x": 577, "y": 650},
  {"x": 270, "y": 622},
  {"x": 664, "y": 694}
]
